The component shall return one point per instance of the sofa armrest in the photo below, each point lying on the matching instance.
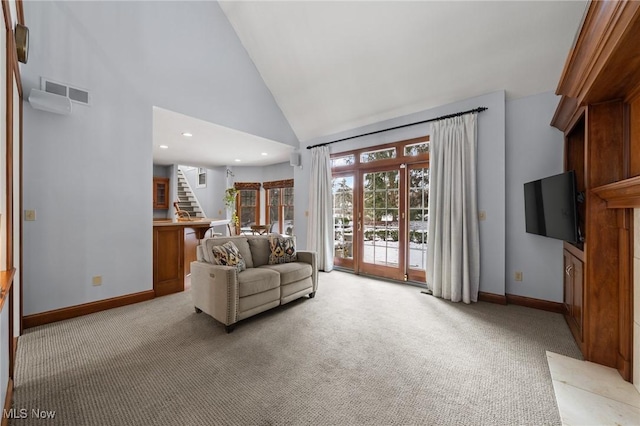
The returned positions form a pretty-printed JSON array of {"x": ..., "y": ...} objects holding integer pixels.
[
  {"x": 310, "y": 258},
  {"x": 214, "y": 289}
]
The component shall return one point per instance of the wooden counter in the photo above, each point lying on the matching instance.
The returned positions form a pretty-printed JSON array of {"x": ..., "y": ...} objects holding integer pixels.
[{"x": 174, "y": 248}]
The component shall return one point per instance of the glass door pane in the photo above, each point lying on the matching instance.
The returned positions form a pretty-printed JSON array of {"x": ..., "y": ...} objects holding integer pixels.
[
  {"x": 343, "y": 223},
  {"x": 418, "y": 221},
  {"x": 274, "y": 210},
  {"x": 287, "y": 211},
  {"x": 382, "y": 249}
]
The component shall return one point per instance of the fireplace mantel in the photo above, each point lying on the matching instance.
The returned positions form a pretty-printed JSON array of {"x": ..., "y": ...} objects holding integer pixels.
[{"x": 624, "y": 194}]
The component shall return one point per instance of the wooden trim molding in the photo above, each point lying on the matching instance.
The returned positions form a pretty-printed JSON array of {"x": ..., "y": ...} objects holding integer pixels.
[
  {"x": 15, "y": 346},
  {"x": 624, "y": 194},
  {"x": 11, "y": 59},
  {"x": 7, "y": 15},
  {"x": 287, "y": 183},
  {"x": 603, "y": 48},
  {"x": 247, "y": 185},
  {"x": 86, "y": 308},
  {"x": 21, "y": 207},
  {"x": 530, "y": 302},
  {"x": 605, "y": 24},
  {"x": 20, "y": 11},
  {"x": 6, "y": 281},
  {"x": 492, "y": 298},
  {"x": 8, "y": 401},
  {"x": 16, "y": 75},
  {"x": 565, "y": 113}
]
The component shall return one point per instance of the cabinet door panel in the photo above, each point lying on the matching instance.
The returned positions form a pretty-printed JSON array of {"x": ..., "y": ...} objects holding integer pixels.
[
  {"x": 577, "y": 305},
  {"x": 160, "y": 193},
  {"x": 568, "y": 282},
  {"x": 168, "y": 259}
]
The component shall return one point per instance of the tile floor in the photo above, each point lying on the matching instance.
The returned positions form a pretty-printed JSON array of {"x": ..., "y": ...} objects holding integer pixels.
[{"x": 592, "y": 394}]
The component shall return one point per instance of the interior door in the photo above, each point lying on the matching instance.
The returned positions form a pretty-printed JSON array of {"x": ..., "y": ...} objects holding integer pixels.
[{"x": 381, "y": 223}]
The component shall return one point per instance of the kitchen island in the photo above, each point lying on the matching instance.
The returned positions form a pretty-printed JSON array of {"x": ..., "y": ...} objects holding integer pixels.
[{"x": 174, "y": 248}]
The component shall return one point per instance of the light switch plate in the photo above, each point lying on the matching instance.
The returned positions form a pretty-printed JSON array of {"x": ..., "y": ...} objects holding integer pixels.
[{"x": 29, "y": 215}]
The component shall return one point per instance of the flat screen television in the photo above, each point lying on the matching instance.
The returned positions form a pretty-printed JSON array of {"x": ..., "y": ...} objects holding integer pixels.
[{"x": 550, "y": 207}]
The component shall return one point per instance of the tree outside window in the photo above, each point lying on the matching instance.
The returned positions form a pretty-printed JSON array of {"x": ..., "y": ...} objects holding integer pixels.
[
  {"x": 248, "y": 204},
  {"x": 280, "y": 206}
]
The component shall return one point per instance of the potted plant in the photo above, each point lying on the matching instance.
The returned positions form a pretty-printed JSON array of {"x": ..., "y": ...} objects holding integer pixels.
[{"x": 230, "y": 195}]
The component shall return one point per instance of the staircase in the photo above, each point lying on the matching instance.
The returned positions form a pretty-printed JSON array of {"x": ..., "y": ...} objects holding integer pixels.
[{"x": 187, "y": 201}]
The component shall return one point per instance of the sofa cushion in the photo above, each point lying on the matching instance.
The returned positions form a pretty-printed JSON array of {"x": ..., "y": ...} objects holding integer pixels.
[
  {"x": 257, "y": 280},
  {"x": 259, "y": 250},
  {"x": 290, "y": 272},
  {"x": 239, "y": 241},
  {"x": 282, "y": 249},
  {"x": 228, "y": 255}
]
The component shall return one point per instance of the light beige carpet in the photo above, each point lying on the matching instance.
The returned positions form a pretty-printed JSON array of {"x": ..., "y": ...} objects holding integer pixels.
[{"x": 362, "y": 352}]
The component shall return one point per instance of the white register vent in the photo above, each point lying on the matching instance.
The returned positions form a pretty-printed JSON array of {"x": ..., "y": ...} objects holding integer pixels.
[{"x": 75, "y": 94}]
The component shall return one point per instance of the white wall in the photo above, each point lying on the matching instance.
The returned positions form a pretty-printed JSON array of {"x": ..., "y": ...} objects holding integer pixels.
[
  {"x": 88, "y": 175},
  {"x": 534, "y": 150},
  {"x": 491, "y": 174}
]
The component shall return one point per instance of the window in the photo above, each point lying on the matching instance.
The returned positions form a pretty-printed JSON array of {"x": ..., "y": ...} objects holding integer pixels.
[
  {"x": 248, "y": 204},
  {"x": 416, "y": 149},
  {"x": 346, "y": 160},
  {"x": 379, "y": 154},
  {"x": 280, "y": 206},
  {"x": 202, "y": 178}
]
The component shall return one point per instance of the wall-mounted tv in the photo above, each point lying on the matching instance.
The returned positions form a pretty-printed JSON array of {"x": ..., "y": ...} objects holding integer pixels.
[{"x": 550, "y": 207}]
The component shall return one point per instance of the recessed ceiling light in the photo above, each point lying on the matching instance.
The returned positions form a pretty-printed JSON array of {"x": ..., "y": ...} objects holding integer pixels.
[
  {"x": 264, "y": 153},
  {"x": 164, "y": 147},
  {"x": 187, "y": 134},
  {"x": 237, "y": 160}
]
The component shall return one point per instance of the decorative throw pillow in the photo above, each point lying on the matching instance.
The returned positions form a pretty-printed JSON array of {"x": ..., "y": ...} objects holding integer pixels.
[
  {"x": 228, "y": 254},
  {"x": 283, "y": 249}
]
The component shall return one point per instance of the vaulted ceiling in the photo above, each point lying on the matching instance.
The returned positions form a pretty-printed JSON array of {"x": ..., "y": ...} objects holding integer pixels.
[{"x": 333, "y": 65}]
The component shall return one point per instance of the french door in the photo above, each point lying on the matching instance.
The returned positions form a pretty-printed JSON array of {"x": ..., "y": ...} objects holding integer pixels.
[
  {"x": 381, "y": 220},
  {"x": 381, "y": 234},
  {"x": 344, "y": 210}
]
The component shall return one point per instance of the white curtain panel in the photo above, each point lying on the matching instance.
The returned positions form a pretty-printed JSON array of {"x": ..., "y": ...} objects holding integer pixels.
[
  {"x": 453, "y": 255},
  {"x": 320, "y": 224}
]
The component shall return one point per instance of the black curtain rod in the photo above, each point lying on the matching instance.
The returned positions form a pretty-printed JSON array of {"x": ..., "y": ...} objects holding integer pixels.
[{"x": 457, "y": 114}]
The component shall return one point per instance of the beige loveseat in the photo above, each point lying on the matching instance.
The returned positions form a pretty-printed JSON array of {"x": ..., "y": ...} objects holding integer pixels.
[{"x": 230, "y": 296}]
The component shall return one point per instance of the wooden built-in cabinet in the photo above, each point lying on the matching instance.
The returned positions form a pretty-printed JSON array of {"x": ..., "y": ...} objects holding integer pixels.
[
  {"x": 160, "y": 193},
  {"x": 168, "y": 259},
  {"x": 599, "y": 113},
  {"x": 573, "y": 293},
  {"x": 174, "y": 248}
]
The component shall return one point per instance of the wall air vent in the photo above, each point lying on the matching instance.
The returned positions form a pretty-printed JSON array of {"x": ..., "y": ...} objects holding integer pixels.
[
  {"x": 77, "y": 95},
  {"x": 49, "y": 102}
]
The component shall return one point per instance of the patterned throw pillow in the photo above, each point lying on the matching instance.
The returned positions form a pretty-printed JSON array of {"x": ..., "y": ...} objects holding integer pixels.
[
  {"x": 229, "y": 255},
  {"x": 283, "y": 250}
]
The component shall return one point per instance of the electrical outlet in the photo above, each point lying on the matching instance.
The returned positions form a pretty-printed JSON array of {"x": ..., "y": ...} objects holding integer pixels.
[
  {"x": 97, "y": 280},
  {"x": 518, "y": 276},
  {"x": 306, "y": 213},
  {"x": 482, "y": 215},
  {"x": 29, "y": 215},
  {"x": 219, "y": 212}
]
